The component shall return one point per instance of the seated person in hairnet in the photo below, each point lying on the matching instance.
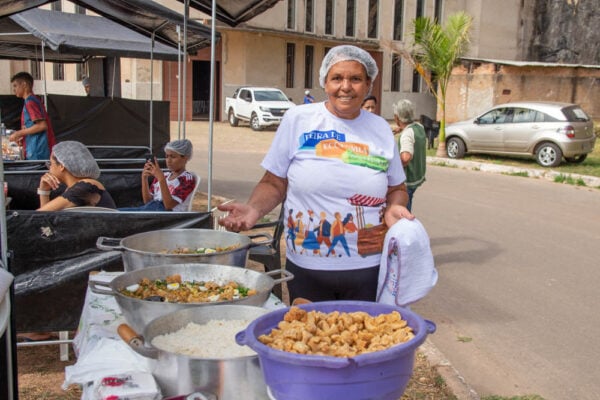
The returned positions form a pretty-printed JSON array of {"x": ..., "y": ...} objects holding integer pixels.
[
  {"x": 72, "y": 165},
  {"x": 170, "y": 190}
]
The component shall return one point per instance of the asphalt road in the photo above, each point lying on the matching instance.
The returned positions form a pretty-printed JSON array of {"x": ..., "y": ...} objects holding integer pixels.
[{"x": 516, "y": 304}]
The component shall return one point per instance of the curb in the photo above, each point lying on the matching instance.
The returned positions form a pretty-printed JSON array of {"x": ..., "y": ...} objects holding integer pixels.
[
  {"x": 453, "y": 379},
  {"x": 549, "y": 174}
]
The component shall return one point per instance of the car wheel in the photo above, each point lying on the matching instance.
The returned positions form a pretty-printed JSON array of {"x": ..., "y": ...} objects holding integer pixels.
[
  {"x": 233, "y": 121},
  {"x": 577, "y": 159},
  {"x": 548, "y": 155},
  {"x": 455, "y": 148},
  {"x": 255, "y": 122}
]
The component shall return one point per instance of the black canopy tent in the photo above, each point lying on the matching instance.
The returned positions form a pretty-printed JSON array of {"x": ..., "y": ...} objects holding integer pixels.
[{"x": 73, "y": 38}]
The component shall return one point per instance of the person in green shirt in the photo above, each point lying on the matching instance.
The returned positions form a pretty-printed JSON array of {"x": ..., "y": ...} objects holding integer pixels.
[{"x": 412, "y": 144}]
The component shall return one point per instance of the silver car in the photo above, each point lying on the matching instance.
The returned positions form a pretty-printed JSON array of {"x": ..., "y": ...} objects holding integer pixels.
[{"x": 548, "y": 131}]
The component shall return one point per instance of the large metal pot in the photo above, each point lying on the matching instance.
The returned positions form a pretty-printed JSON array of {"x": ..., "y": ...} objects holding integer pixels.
[
  {"x": 138, "y": 313},
  {"x": 227, "y": 378},
  {"x": 149, "y": 248}
]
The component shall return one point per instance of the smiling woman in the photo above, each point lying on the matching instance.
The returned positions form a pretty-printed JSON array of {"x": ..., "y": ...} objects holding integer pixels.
[{"x": 337, "y": 168}]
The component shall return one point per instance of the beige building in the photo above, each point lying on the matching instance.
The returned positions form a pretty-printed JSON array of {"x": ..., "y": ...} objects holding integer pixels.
[{"x": 284, "y": 46}]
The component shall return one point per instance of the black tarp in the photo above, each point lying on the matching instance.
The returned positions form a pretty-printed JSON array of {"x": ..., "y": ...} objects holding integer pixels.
[
  {"x": 145, "y": 17},
  {"x": 52, "y": 253},
  {"x": 233, "y": 12},
  {"x": 73, "y": 38},
  {"x": 99, "y": 121}
]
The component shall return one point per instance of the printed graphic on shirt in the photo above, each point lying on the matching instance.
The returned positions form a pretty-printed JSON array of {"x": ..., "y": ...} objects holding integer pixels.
[
  {"x": 333, "y": 144},
  {"x": 309, "y": 234}
]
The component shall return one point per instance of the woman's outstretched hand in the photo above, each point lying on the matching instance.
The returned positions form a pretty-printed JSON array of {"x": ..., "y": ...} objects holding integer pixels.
[{"x": 240, "y": 217}]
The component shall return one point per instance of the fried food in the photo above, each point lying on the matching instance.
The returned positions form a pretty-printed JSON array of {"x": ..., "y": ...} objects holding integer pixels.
[
  {"x": 173, "y": 289},
  {"x": 337, "y": 334}
]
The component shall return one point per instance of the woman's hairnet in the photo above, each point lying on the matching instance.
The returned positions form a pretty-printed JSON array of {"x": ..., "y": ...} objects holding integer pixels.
[
  {"x": 347, "y": 53},
  {"x": 77, "y": 159},
  {"x": 183, "y": 147}
]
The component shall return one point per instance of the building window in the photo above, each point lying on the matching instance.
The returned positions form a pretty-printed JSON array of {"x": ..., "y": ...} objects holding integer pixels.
[
  {"x": 291, "y": 14},
  {"x": 58, "y": 71},
  {"x": 437, "y": 12},
  {"x": 396, "y": 69},
  {"x": 36, "y": 71},
  {"x": 309, "y": 55},
  {"x": 80, "y": 71},
  {"x": 310, "y": 11},
  {"x": 79, "y": 9},
  {"x": 373, "y": 19},
  {"x": 420, "y": 8},
  {"x": 350, "y": 17},
  {"x": 416, "y": 82},
  {"x": 290, "y": 58},
  {"x": 398, "y": 17},
  {"x": 56, "y": 6},
  {"x": 329, "y": 4}
]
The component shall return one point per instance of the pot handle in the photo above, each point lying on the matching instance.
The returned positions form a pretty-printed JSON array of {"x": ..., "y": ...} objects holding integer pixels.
[
  {"x": 431, "y": 326},
  {"x": 103, "y": 246},
  {"x": 100, "y": 288},
  {"x": 136, "y": 341},
  {"x": 268, "y": 241},
  {"x": 285, "y": 275}
]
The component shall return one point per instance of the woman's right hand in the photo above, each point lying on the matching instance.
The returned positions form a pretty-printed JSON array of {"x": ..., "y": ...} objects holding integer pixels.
[
  {"x": 49, "y": 182},
  {"x": 240, "y": 217}
]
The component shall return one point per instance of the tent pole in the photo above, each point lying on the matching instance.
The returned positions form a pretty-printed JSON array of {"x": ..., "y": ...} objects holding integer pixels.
[
  {"x": 178, "y": 82},
  {"x": 211, "y": 105},
  {"x": 184, "y": 81},
  {"x": 151, "y": 85},
  {"x": 44, "y": 74},
  {"x": 8, "y": 333}
]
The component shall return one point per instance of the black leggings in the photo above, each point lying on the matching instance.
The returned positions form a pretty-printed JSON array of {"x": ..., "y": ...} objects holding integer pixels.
[{"x": 319, "y": 285}]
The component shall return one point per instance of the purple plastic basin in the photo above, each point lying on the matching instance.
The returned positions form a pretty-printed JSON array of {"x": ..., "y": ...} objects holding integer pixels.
[{"x": 381, "y": 375}]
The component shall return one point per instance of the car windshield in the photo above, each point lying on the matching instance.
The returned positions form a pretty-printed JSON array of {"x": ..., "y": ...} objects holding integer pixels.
[{"x": 269, "y": 95}]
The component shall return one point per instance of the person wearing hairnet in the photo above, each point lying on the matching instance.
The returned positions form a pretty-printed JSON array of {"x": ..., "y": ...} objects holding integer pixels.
[
  {"x": 72, "y": 165},
  {"x": 335, "y": 158},
  {"x": 169, "y": 191}
]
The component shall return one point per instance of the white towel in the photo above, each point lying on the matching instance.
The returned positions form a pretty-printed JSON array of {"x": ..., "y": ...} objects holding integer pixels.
[
  {"x": 6, "y": 279},
  {"x": 407, "y": 270}
]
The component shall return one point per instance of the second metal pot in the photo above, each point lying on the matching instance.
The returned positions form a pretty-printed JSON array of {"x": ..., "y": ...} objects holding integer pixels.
[
  {"x": 150, "y": 248},
  {"x": 138, "y": 313}
]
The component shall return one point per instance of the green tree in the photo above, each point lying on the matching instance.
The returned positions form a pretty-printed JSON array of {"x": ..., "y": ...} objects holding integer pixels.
[{"x": 436, "y": 50}]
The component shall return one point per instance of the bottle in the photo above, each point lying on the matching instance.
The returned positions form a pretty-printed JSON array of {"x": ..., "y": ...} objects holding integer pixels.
[{"x": 2, "y": 129}]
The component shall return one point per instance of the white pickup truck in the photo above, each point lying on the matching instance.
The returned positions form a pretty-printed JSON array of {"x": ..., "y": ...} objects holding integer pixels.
[{"x": 261, "y": 106}]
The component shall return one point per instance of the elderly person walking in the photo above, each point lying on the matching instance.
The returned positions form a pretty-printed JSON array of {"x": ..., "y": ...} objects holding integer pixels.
[
  {"x": 412, "y": 144},
  {"x": 72, "y": 164},
  {"x": 334, "y": 157}
]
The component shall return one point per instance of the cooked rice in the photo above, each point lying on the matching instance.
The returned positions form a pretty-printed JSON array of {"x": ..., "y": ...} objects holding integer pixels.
[{"x": 215, "y": 339}]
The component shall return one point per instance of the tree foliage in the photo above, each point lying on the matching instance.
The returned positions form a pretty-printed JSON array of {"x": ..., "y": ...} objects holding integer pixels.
[{"x": 436, "y": 50}]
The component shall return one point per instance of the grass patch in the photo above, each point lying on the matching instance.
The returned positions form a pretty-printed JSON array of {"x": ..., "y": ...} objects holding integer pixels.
[{"x": 569, "y": 180}]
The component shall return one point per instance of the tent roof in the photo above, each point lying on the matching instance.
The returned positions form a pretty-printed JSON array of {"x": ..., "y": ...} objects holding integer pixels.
[
  {"x": 145, "y": 17},
  {"x": 72, "y": 38},
  {"x": 233, "y": 12}
]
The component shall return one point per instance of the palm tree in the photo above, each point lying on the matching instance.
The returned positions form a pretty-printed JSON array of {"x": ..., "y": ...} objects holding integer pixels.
[{"x": 436, "y": 49}]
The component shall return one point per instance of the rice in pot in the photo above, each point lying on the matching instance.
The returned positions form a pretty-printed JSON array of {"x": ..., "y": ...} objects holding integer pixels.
[{"x": 215, "y": 339}]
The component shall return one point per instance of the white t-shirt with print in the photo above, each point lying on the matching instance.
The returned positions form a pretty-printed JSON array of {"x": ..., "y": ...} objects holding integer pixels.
[{"x": 338, "y": 166}]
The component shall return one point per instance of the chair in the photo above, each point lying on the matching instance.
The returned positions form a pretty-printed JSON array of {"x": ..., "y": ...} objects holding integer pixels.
[
  {"x": 189, "y": 201},
  {"x": 270, "y": 255}
]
